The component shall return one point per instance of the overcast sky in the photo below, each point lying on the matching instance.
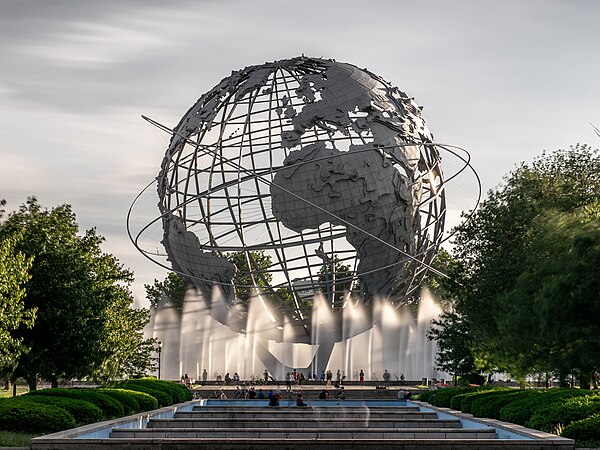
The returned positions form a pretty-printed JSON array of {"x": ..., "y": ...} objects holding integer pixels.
[{"x": 504, "y": 79}]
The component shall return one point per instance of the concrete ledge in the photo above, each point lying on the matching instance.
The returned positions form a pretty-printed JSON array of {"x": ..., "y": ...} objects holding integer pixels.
[
  {"x": 499, "y": 425},
  {"x": 303, "y": 444}
]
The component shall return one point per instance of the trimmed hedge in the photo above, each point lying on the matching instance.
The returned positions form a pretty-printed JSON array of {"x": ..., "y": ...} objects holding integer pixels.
[
  {"x": 571, "y": 410},
  {"x": 83, "y": 411},
  {"x": 110, "y": 407},
  {"x": 32, "y": 417},
  {"x": 443, "y": 397},
  {"x": 166, "y": 392},
  {"x": 464, "y": 402},
  {"x": 520, "y": 411},
  {"x": 129, "y": 402},
  {"x": 425, "y": 396},
  {"x": 162, "y": 398},
  {"x": 490, "y": 405},
  {"x": 585, "y": 432},
  {"x": 178, "y": 392},
  {"x": 146, "y": 401},
  {"x": 50, "y": 410}
]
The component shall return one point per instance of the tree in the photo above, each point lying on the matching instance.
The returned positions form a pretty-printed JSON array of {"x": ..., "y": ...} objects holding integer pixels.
[
  {"x": 454, "y": 341},
  {"x": 76, "y": 289},
  {"x": 504, "y": 247},
  {"x": 14, "y": 273},
  {"x": 335, "y": 279},
  {"x": 171, "y": 290},
  {"x": 251, "y": 272},
  {"x": 563, "y": 283}
]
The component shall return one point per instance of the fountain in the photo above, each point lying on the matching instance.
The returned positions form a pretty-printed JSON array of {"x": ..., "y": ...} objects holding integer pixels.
[
  {"x": 395, "y": 339},
  {"x": 302, "y": 201}
]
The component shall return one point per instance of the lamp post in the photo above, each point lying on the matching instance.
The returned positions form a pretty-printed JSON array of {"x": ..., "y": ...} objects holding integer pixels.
[{"x": 158, "y": 350}]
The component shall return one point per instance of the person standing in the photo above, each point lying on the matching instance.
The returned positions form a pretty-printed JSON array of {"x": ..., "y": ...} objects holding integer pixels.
[
  {"x": 386, "y": 377},
  {"x": 204, "y": 376},
  {"x": 361, "y": 377}
]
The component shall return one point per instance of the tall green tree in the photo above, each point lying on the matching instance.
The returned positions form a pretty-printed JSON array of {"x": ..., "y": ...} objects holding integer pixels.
[
  {"x": 76, "y": 289},
  {"x": 455, "y": 355},
  {"x": 14, "y": 273},
  {"x": 562, "y": 283},
  {"x": 503, "y": 248}
]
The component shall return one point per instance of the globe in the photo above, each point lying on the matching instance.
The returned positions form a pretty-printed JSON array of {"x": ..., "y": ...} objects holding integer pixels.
[{"x": 297, "y": 178}]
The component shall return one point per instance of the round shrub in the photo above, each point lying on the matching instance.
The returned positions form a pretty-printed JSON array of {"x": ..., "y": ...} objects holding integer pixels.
[
  {"x": 571, "y": 410},
  {"x": 522, "y": 410},
  {"x": 424, "y": 396},
  {"x": 490, "y": 405},
  {"x": 443, "y": 397},
  {"x": 178, "y": 392},
  {"x": 466, "y": 400},
  {"x": 32, "y": 417},
  {"x": 585, "y": 431},
  {"x": 455, "y": 402},
  {"x": 163, "y": 398},
  {"x": 125, "y": 398},
  {"x": 517, "y": 412},
  {"x": 109, "y": 406},
  {"x": 83, "y": 412},
  {"x": 145, "y": 401}
]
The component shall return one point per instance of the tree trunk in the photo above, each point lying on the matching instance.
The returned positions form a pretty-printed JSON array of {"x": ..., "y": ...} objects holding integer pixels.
[
  {"x": 584, "y": 379},
  {"x": 562, "y": 378},
  {"x": 32, "y": 382},
  {"x": 6, "y": 385},
  {"x": 54, "y": 383}
]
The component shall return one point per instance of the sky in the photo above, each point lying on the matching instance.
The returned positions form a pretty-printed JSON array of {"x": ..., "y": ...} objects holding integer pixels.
[{"x": 506, "y": 80}]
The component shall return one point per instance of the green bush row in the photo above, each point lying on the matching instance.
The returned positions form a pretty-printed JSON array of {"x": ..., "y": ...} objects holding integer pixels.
[
  {"x": 573, "y": 413},
  {"x": 51, "y": 410},
  {"x": 166, "y": 392},
  {"x": 586, "y": 432}
]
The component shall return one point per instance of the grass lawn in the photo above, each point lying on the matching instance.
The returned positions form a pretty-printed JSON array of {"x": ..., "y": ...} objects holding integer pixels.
[
  {"x": 21, "y": 389},
  {"x": 13, "y": 439}
]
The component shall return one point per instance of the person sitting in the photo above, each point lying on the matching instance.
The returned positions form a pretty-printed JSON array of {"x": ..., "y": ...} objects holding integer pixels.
[
  {"x": 300, "y": 401},
  {"x": 252, "y": 393},
  {"x": 324, "y": 395},
  {"x": 274, "y": 400},
  {"x": 401, "y": 394},
  {"x": 341, "y": 394},
  {"x": 227, "y": 378},
  {"x": 261, "y": 394}
]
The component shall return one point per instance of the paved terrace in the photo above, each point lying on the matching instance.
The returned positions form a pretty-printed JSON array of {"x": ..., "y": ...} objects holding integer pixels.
[{"x": 238, "y": 424}]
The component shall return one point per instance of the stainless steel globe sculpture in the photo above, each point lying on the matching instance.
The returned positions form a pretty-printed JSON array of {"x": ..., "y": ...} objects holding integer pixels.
[{"x": 318, "y": 176}]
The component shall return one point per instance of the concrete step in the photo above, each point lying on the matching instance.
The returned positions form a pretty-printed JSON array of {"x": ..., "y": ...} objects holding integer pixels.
[
  {"x": 306, "y": 433},
  {"x": 334, "y": 406},
  {"x": 324, "y": 422}
]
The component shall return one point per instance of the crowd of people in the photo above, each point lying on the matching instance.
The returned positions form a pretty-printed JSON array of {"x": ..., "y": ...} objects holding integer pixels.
[{"x": 293, "y": 379}]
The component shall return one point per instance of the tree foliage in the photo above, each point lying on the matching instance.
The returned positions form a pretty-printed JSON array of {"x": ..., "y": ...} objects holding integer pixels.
[
  {"x": 82, "y": 297},
  {"x": 527, "y": 267},
  {"x": 251, "y": 271},
  {"x": 169, "y": 291},
  {"x": 454, "y": 341},
  {"x": 335, "y": 279},
  {"x": 14, "y": 273}
]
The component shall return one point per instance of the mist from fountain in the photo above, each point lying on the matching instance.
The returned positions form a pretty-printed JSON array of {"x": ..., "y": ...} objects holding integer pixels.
[{"x": 194, "y": 339}]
